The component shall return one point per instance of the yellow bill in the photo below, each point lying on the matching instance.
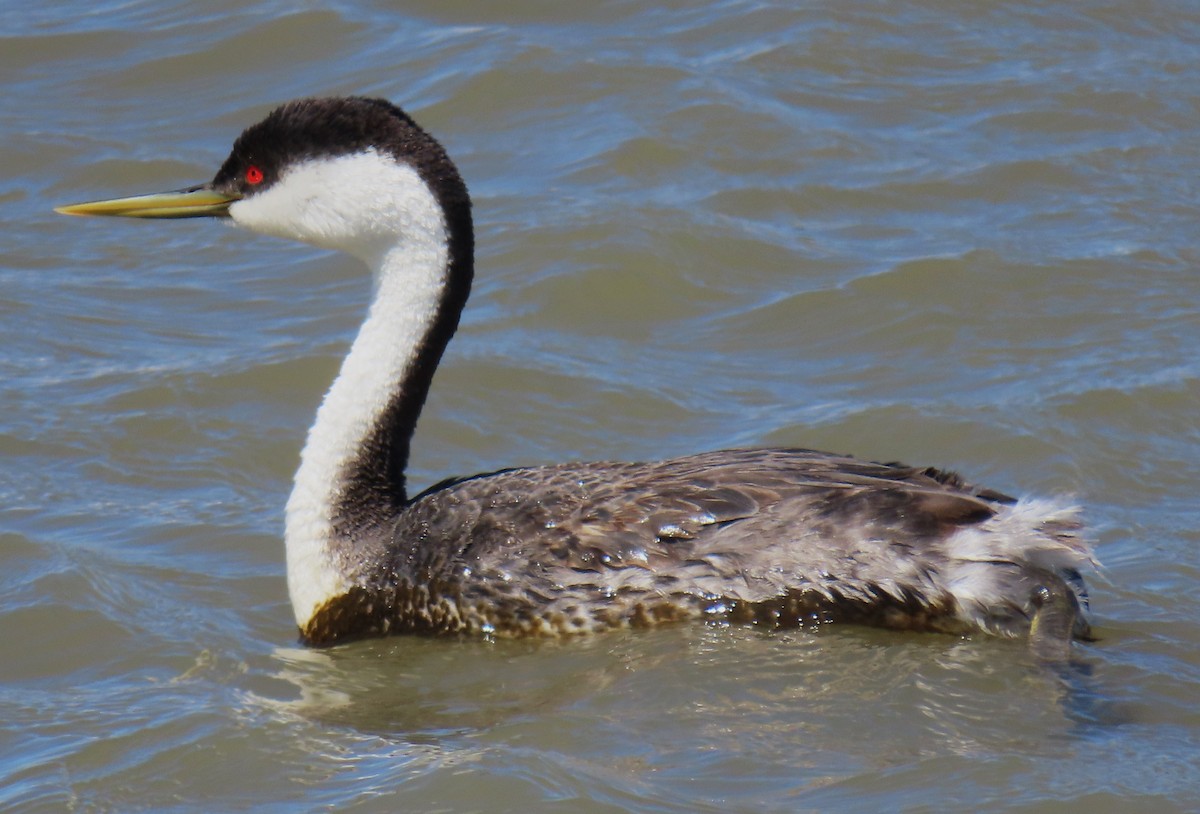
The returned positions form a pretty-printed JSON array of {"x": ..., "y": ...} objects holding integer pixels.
[{"x": 194, "y": 202}]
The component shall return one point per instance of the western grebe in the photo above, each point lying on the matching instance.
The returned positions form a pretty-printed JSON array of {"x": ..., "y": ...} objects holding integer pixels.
[{"x": 774, "y": 537}]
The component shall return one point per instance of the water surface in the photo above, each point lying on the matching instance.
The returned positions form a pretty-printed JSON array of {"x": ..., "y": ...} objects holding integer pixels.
[{"x": 962, "y": 237}]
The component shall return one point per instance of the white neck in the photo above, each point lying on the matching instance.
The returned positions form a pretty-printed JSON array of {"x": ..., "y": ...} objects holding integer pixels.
[{"x": 409, "y": 277}]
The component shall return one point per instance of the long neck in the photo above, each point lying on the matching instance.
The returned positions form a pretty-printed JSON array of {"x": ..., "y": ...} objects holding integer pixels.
[{"x": 351, "y": 483}]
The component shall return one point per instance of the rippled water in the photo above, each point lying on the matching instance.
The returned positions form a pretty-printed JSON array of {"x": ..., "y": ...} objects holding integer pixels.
[{"x": 962, "y": 236}]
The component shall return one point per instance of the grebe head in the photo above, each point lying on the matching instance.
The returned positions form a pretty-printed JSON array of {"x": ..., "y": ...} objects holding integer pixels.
[{"x": 352, "y": 174}]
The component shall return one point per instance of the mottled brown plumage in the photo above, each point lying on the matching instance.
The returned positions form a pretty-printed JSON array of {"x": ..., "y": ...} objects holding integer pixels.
[{"x": 775, "y": 537}]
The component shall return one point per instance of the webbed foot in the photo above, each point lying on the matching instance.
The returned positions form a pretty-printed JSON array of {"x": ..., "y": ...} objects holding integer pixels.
[{"x": 1056, "y": 621}]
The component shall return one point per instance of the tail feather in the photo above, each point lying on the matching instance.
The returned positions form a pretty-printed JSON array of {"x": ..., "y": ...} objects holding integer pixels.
[{"x": 1020, "y": 571}]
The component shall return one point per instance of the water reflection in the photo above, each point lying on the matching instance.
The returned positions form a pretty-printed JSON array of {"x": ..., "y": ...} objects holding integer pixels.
[{"x": 731, "y": 688}]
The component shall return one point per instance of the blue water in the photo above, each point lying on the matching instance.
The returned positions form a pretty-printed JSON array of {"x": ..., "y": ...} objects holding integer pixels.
[{"x": 953, "y": 236}]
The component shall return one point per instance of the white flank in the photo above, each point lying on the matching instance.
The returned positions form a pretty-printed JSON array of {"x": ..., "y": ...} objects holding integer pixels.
[{"x": 381, "y": 211}]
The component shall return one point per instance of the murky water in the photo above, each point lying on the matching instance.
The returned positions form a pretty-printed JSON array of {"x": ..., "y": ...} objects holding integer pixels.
[{"x": 946, "y": 235}]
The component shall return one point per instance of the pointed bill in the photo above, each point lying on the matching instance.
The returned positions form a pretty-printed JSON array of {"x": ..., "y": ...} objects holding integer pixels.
[{"x": 194, "y": 202}]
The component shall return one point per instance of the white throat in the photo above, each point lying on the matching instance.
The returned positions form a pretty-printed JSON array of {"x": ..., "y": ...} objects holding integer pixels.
[{"x": 381, "y": 211}]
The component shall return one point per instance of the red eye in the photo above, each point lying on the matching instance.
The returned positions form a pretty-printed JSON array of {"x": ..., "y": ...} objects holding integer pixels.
[{"x": 254, "y": 175}]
